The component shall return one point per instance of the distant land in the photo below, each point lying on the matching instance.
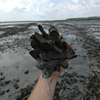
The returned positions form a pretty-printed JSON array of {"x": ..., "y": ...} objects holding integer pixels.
[
  {"x": 78, "y": 19},
  {"x": 87, "y": 18},
  {"x": 69, "y": 19}
]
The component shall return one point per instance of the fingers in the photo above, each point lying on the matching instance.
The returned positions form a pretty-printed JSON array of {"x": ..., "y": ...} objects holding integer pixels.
[
  {"x": 69, "y": 46},
  {"x": 61, "y": 69},
  {"x": 60, "y": 36},
  {"x": 62, "y": 40},
  {"x": 56, "y": 73}
]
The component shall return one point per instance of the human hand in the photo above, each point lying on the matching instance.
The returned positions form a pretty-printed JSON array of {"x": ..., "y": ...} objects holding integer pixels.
[
  {"x": 56, "y": 73},
  {"x": 50, "y": 51}
]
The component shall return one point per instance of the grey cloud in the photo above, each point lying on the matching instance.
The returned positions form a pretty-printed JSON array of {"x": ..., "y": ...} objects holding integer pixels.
[
  {"x": 20, "y": 9},
  {"x": 65, "y": 10},
  {"x": 95, "y": 2}
]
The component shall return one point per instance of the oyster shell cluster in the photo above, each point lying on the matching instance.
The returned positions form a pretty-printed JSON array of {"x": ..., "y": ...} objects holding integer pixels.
[{"x": 49, "y": 51}]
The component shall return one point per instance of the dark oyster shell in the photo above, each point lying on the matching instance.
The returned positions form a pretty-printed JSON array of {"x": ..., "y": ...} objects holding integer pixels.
[{"x": 49, "y": 51}]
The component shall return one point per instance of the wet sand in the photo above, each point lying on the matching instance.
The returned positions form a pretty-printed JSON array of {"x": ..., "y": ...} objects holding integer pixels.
[{"x": 18, "y": 73}]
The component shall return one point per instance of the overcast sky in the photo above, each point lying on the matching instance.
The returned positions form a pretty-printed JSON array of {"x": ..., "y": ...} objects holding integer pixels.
[{"x": 21, "y": 10}]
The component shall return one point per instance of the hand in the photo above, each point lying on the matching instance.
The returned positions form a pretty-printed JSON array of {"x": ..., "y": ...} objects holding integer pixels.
[
  {"x": 40, "y": 43},
  {"x": 56, "y": 73}
]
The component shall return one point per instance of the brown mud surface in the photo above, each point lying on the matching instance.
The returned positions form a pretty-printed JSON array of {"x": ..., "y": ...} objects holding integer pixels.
[{"x": 18, "y": 73}]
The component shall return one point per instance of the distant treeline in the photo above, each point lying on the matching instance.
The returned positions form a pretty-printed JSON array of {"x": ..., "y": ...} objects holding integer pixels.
[
  {"x": 88, "y": 18},
  {"x": 69, "y": 19},
  {"x": 75, "y": 19}
]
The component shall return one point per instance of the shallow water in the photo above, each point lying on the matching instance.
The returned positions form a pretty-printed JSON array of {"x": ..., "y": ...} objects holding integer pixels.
[
  {"x": 1, "y": 32},
  {"x": 13, "y": 65},
  {"x": 13, "y": 23},
  {"x": 16, "y": 61}
]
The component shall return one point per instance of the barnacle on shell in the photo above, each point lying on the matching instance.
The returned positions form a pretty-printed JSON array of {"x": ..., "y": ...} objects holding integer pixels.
[{"x": 49, "y": 51}]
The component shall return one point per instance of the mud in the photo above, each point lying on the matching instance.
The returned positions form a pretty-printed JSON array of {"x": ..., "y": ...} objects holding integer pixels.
[{"x": 18, "y": 73}]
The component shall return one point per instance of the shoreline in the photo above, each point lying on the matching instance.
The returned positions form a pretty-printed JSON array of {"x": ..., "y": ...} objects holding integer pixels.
[{"x": 80, "y": 80}]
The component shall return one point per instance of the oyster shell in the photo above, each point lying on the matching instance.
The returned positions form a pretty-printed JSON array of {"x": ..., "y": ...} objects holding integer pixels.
[{"x": 49, "y": 51}]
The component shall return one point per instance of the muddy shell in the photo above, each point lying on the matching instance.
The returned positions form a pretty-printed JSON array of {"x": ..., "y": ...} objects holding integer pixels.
[{"x": 49, "y": 51}]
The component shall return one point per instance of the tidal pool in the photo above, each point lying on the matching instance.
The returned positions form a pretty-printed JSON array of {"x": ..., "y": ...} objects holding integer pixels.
[{"x": 18, "y": 66}]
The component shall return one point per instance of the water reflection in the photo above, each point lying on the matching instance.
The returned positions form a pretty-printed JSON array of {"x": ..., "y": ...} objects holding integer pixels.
[
  {"x": 1, "y": 32},
  {"x": 13, "y": 65},
  {"x": 70, "y": 36},
  {"x": 10, "y": 58}
]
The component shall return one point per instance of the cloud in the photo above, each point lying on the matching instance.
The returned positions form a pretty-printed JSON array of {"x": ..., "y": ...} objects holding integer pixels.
[
  {"x": 62, "y": 10},
  {"x": 19, "y": 8},
  {"x": 51, "y": 4},
  {"x": 78, "y": 8},
  {"x": 48, "y": 9},
  {"x": 44, "y": 0},
  {"x": 95, "y": 2},
  {"x": 13, "y": 6},
  {"x": 82, "y": 2}
]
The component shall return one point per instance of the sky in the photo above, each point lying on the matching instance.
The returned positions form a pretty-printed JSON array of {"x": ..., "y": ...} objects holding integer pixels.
[{"x": 36, "y": 10}]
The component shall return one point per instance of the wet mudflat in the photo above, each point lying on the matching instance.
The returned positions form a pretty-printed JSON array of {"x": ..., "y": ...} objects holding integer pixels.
[{"x": 18, "y": 73}]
